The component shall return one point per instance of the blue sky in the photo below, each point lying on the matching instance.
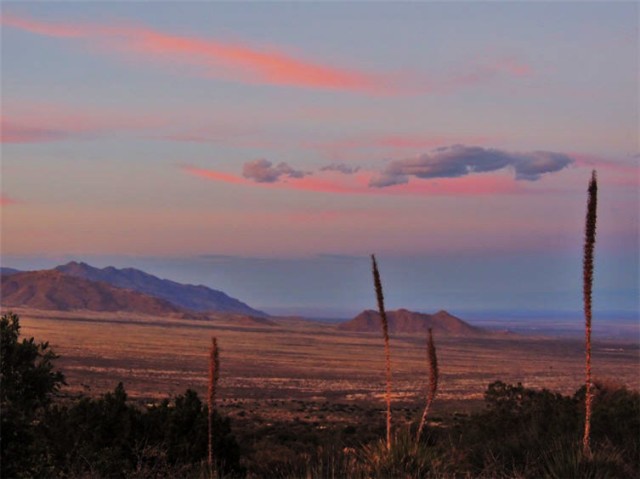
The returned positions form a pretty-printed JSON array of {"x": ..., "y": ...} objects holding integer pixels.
[{"x": 283, "y": 136}]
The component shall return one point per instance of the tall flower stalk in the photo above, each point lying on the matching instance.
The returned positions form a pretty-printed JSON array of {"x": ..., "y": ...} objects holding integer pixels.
[
  {"x": 433, "y": 382},
  {"x": 214, "y": 374},
  {"x": 587, "y": 269},
  {"x": 387, "y": 350}
]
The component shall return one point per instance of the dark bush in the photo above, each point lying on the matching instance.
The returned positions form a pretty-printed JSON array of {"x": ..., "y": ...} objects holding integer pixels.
[{"x": 28, "y": 382}]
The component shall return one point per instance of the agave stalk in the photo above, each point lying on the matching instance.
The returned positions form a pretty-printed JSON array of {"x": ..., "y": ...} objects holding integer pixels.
[
  {"x": 387, "y": 350},
  {"x": 214, "y": 373},
  {"x": 587, "y": 270},
  {"x": 433, "y": 382}
]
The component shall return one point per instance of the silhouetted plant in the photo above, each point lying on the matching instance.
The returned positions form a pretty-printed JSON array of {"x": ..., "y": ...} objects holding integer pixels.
[
  {"x": 214, "y": 373},
  {"x": 387, "y": 350},
  {"x": 27, "y": 383},
  {"x": 587, "y": 264},
  {"x": 405, "y": 458},
  {"x": 433, "y": 381},
  {"x": 108, "y": 437}
]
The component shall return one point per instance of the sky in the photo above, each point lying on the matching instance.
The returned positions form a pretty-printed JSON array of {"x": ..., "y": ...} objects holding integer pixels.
[{"x": 268, "y": 148}]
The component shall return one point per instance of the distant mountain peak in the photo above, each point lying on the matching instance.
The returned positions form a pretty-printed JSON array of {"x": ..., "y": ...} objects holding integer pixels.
[
  {"x": 7, "y": 271},
  {"x": 74, "y": 265},
  {"x": 55, "y": 290},
  {"x": 410, "y": 322},
  {"x": 195, "y": 298}
]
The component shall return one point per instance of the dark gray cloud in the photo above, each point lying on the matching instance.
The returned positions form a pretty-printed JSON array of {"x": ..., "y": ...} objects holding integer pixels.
[
  {"x": 340, "y": 167},
  {"x": 459, "y": 160},
  {"x": 263, "y": 171}
]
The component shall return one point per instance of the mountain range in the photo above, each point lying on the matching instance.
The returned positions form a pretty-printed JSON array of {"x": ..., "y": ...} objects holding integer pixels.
[
  {"x": 50, "y": 289},
  {"x": 79, "y": 286},
  {"x": 53, "y": 290},
  {"x": 7, "y": 271},
  {"x": 194, "y": 298}
]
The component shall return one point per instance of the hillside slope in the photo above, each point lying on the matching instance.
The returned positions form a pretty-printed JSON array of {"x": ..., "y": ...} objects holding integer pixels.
[
  {"x": 407, "y": 322},
  {"x": 53, "y": 290},
  {"x": 187, "y": 296}
]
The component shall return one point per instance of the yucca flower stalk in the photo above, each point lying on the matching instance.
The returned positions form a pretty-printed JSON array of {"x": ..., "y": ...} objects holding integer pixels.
[
  {"x": 387, "y": 350},
  {"x": 587, "y": 269},
  {"x": 433, "y": 382},
  {"x": 214, "y": 374}
]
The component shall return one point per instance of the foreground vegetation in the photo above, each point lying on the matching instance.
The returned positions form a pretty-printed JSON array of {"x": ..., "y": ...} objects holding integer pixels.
[{"x": 520, "y": 432}]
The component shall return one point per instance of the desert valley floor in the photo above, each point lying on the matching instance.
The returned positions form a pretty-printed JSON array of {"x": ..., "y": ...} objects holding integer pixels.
[{"x": 298, "y": 360}]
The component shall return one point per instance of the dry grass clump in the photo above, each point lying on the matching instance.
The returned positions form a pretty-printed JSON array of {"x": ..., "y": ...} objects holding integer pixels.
[
  {"x": 587, "y": 264},
  {"x": 387, "y": 350}
]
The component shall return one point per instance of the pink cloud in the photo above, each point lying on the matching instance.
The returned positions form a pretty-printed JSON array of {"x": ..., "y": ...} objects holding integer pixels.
[
  {"x": 257, "y": 65},
  {"x": 481, "y": 73},
  {"x": 480, "y": 185},
  {"x": 306, "y": 183},
  {"x": 216, "y": 175},
  {"x": 624, "y": 173},
  {"x": 233, "y": 60},
  {"x": 514, "y": 66},
  {"x": 331, "y": 182},
  {"x": 38, "y": 123},
  {"x": 592, "y": 161},
  {"x": 15, "y": 133},
  {"x": 5, "y": 200},
  {"x": 58, "y": 30}
]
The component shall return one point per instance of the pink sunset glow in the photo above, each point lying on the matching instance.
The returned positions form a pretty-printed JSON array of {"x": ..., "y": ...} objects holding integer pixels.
[
  {"x": 619, "y": 173},
  {"x": 330, "y": 182},
  {"x": 248, "y": 64},
  {"x": 60, "y": 30},
  {"x": 6, "y": 201},
  {"x": 391, "y": 143},
  {"x": 37, "y": 123},
  {"x": 239, "y": 61},
  {"x": 15, "y": 133},
  {"x": 408, "y": 129}
]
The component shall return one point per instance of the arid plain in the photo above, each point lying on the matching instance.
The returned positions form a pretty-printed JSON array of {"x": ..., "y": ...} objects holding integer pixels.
[{"x": 290, "y": 359}]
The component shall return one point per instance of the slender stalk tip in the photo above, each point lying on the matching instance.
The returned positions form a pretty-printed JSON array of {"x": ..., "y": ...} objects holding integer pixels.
[
  {"x": 587, "y": 273},
  {"x": 385, "y": 334},
  {"x": 433, "y": 381}
]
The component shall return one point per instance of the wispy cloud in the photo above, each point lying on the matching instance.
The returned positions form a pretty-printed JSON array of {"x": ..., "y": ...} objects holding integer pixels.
[
  {"x": 482, "y": 73},
  {"x": 359, "y": 184},
  {"x": 453, "y": 170},
  {"x": 341, "y": 168},
  {"x": 39, "y": 123},
  {"x": 215, "y": 175},
  {"x": 459, "y": 160},
  {"x": 246, "y": 63},
  {"x": 49, "y": 29},
  {"x": 11, "y": 132},
  {"x": 327, "y": 184},
  {"x": 235, "y": 61},
  {"x": 263, "y": 171},
  {"x": 6, "y": 201},
  {"x": 621, "y": 172}
]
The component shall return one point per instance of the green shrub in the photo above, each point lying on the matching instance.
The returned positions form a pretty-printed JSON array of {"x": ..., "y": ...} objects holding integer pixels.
[
  {"x": 536, "y": 433},
  {"x": 28, "y": 383},
  {"x": 108, "y": 437}
]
